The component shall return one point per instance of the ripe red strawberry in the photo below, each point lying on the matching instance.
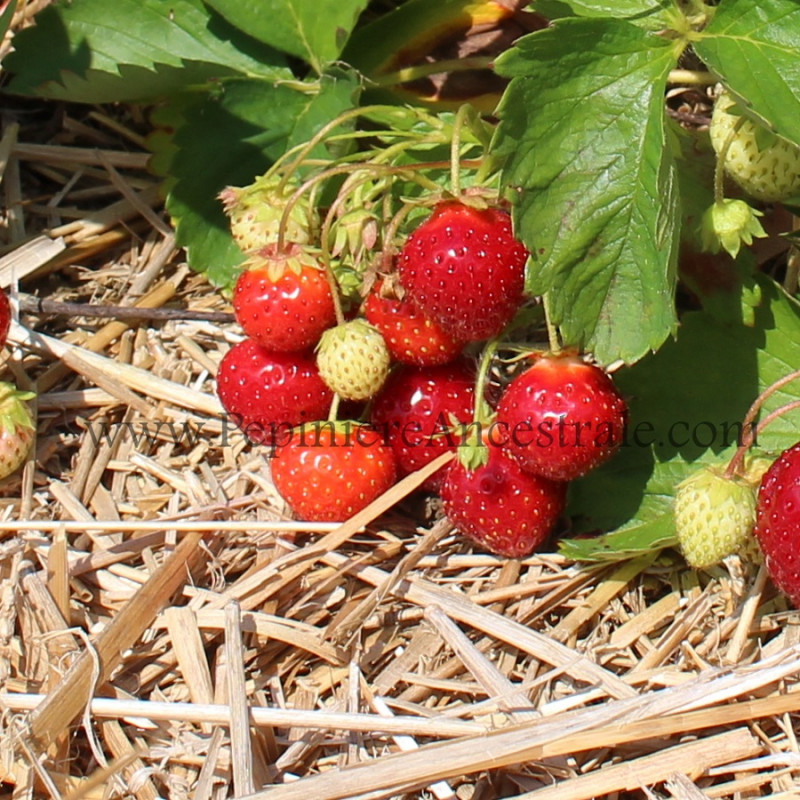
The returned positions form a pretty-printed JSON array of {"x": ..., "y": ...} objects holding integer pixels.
[
  {"x": 417, "y": 408},
  {"x": 412, "y": 338},
  {"x": 283, "y": 300},
  {"x": 503, "y": 509},
  {"x": 562, "y": 417},
  {"x": 329, "y": 471},
  {"x": 778, "y": 522},
  {"x": 17, "y": 430},
  {"x": 5, "y": 317},
  {"x": 267, "y": 394},
  {"x": 465, "y": 269}
]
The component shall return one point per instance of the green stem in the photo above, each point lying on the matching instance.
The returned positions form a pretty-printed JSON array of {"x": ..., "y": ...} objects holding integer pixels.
[
  {"x": 719, "y": 167},
  {"x": 481, "y": 412},
  {"x": 455, "y": 150},
  {"x": 552, "y": 332},
  {"x": 749, "y": 430},
  {"x": 408, "y": 74},
  {"x": 691, "y": 77}
]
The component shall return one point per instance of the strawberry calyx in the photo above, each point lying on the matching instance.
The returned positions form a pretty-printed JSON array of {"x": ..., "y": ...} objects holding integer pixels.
[{"x": 275, "y": 262}]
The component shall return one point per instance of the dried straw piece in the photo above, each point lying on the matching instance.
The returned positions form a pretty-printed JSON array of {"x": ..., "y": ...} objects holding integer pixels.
[
  {"x": 435, "y": 727},
  {"x": 91, "y": 669},
  {"x": 26, "y": 259},
  {"x": 117, "y": 378},
  {"x": 241, "y": 748},
  {"x": 648, "y": 770}
]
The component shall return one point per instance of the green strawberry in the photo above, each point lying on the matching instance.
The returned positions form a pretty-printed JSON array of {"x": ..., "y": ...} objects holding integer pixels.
[
  {"x": 714, "y": 516},
  {"x": 766, "y": 166},
  {"x": 16, "y": 428},
  {"x": 255, "y": 212},
  {"x": 353, "y": 359}
]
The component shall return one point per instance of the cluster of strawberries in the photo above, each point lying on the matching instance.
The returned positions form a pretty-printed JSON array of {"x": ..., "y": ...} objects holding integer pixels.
[{"x": 349, "y": 405}]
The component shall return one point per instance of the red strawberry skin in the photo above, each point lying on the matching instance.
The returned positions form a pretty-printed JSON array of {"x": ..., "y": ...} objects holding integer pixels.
[
  {"x": 415, "y": 409},
  {"x": 411, "y": 336},
  {"x": 562, "y": 417},
  {"x": 329, "y": 471},
  {"x": 284, "y": 310},
  {"x": 501, "y": 508},
  {"x": 267, "y": 394},
  {"x": 465, "y": 270},
  {"x": 778, "y": 522}
]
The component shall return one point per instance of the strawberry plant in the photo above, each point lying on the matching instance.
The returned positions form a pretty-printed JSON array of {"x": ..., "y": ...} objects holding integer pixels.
[{"x": 576, "y": 185}]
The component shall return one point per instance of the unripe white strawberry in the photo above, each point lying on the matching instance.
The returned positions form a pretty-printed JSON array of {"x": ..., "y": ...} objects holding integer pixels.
[
  {"x": 766, "y": 166},
  {"x": 16, "y": 428},
  {"x": 255, "y": 212},
  {"x": 714, "y": 516},
  {"x": 353, "y": 359}
]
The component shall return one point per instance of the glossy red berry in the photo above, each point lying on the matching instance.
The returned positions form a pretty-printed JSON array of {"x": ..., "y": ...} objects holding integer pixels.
[
  {"x": 562, "y": 417},
  {"x": 283, "y": 301},
  {"x": 329, "y": 471},
  {"x": 465, "y": 270},
  {"x": 500, "y": 507},
  {"x": 778, "y": 522},
  {"x": 420, "y": 410},
  {"x": 267, "y": 394},
  {"x": 411, "y": 336}
]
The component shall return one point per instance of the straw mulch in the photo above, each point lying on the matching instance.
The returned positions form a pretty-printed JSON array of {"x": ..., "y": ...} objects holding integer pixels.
[{"x": 168, "y": 631}]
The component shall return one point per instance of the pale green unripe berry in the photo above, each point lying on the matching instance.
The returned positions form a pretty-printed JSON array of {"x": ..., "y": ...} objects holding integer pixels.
[
  {"x": 766, "y": 166},
  {"x": 255, "y": 213},
  {"x": 353, "y": 360},
  {"x": 714, "y": 517}
]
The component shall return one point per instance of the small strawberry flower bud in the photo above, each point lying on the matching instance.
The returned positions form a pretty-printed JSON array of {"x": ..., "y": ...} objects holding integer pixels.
[{"x": 728, "y": 223}]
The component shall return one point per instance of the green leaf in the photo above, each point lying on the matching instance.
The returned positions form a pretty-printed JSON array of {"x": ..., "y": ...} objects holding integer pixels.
[
  {"x": 93, "y": 51},
  {"x": 228, "y": 140},
  {"x": 642, "y": 537},
  {"x": 652, "y": 12},
  {"x": 308, "y": 29},
  {"x": 583, "y": 131},
  {"x": 687, "y": 403},
  {"x": 753, "y": 46}
]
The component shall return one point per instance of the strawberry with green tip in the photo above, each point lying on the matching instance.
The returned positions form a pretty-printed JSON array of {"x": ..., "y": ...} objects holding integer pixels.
[
  {"x": 283, "y": 300},
  {"x": 714, "y": 516},
  {"x": 328, "y": 471},
  {"x": 353, "y": 360},
  {"x": 17, "y": 430}
]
